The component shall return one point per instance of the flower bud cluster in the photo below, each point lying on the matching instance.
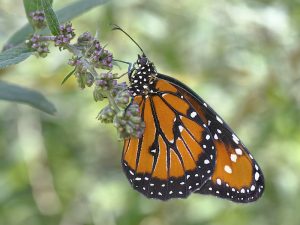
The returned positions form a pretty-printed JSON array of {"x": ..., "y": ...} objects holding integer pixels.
[
  {"x": 100, "y": 57},
  {"x": 38, "y": 19},
  {"x": 83, "y": 76},
  {"x": 85, "y": 40},
  {"x": 127, "y": 119},
  {"x": 106, "y": 115},
  {"x": 129, "y": 122},
  {"x": 65, "y": 36},
  {"x": 38, "y": 45}
]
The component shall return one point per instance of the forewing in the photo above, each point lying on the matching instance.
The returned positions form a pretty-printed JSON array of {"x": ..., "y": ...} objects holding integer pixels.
[{"x": 175, "y": 156}]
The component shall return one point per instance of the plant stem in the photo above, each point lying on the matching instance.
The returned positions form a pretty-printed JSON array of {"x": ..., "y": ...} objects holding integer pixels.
[{"x": 112, "y": 102}]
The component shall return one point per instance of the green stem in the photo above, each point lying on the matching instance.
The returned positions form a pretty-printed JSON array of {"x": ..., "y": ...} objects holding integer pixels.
[
  {"x": 112, "y": 102},
  {"x": 85, "y": 62}
]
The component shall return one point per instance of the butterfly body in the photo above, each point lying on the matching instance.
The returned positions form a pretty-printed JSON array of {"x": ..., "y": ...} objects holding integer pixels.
[
  {"x": 186, "y": 147},
  {"x": 142, "y": 78}
]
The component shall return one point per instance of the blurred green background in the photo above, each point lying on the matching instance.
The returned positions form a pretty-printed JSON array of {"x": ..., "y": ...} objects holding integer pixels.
[{"x": 242, "y": 57}]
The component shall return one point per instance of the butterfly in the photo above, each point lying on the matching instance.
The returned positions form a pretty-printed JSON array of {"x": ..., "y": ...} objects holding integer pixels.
[{"x": 186, "y": 146}]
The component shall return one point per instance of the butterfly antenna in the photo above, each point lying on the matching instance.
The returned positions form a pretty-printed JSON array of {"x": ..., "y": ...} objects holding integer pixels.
[{"x": 116, "y": 27}]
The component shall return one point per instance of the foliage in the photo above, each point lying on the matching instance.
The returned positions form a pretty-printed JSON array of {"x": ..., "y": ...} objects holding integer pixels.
[{"x": 241, "y": 56}]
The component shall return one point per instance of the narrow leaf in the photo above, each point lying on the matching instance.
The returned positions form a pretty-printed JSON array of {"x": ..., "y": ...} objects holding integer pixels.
[
  {"x": 14, "y": 55},
  {"x": 51, "y": 17},
  {"x": 68, "y": 76},
  {"x": 32, "y": 6},
  {"x": 14, "y": 93}
]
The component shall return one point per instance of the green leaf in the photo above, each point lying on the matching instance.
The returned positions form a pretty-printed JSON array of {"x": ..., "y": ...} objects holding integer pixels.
[
  {"x": 31, "y": 6},
  {"x": 14, "y": 55},
  {"x": 14, "y": 93},
  {"x": 68, "y": 76},
  {"x": 64, "y": 15},
  {"x": 51, "y": 17}
]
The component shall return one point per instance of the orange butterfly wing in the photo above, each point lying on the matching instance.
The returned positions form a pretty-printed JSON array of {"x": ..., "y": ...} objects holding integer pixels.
[
  {"x": 175, "y": 156},
  {"x": 236, "y": 175}
]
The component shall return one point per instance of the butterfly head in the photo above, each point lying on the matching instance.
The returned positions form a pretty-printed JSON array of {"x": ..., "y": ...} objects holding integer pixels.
[
  {"x": 145, "y": 64},
  {"x": 142, "y": 76},
  {"x": 142, "y": 60}
]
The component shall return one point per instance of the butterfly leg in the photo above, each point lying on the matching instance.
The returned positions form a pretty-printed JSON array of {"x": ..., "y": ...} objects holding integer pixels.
[{"x": 130, "y": 66}]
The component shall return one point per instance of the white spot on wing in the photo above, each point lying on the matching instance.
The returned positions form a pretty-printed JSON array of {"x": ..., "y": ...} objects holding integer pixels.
[
  {"x": 238, "y": 151},
  {"x": 153, "y": 151},
  {"x": 256, "y": 176},
  {"x": 227, "y": 169},
  {"x": 219, "y": 119},
  {"x": 180, "y": 128},
  {"x": 206, "y": 161},
  {"x": 235, "y": 138},
  {"x": 193, "y": 114},
  {"x": 233, "y": 157}
]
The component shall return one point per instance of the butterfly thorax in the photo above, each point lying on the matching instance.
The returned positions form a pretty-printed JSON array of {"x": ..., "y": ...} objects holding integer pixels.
[{"x": 142, "y": 77}]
